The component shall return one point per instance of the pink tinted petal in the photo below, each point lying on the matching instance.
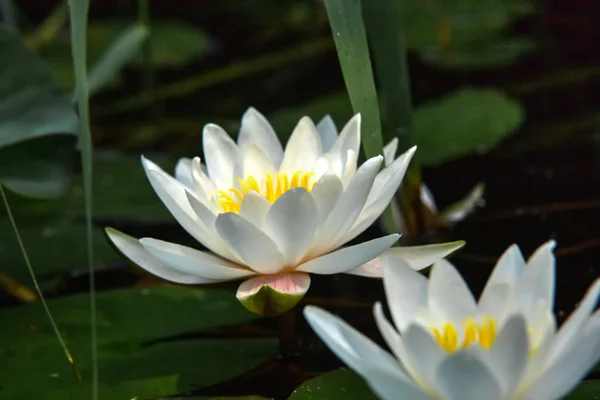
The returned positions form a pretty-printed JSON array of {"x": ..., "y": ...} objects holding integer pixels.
[{"x": 273, "y": 294}]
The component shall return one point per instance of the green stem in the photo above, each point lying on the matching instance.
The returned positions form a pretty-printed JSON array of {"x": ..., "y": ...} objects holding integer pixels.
[{"x": 40, "y": 294}]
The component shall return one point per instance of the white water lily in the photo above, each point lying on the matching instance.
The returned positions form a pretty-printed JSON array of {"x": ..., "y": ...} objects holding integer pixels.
[
  {"x": 272, "y": 216},
  {"x": 448, "y": 346}
]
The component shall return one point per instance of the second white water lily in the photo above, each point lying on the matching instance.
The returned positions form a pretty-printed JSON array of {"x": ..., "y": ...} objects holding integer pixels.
[
  {"x": 272, "y": 216},
  {"x": 448, "y": 346}
]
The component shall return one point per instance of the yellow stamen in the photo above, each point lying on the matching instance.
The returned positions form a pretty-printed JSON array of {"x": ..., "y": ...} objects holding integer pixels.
[
  {"x": 482, "y": 333},
  {"x": 270, "y": 188}
]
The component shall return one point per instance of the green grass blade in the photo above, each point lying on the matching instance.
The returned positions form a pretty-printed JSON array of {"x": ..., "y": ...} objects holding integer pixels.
[
  {"x": 78, "y": 11},
  {"x": 40, "y": 294},
  {"x": 120, "y": 52},
  {"x": 345, "y": 18},
  {"x": 147, "y": 62}
]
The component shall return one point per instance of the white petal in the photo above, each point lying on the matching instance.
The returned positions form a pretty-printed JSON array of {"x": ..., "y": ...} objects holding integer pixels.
[
  {"x": 326, "y": 193},
  {"x": 249, "y": 243},
  {"x": 418, "y": 257},
  {"x": 423, "y": 354},
  {"x": 509, "y": 354},
  {"x": 192, "y": 261},
  {"x": 257, "y": 130},
  {"x": 204, "y": 213},
  {"x": 203, "y": 187},
  {"x": 566, "y": 372},
  {"x": 254, "y": 208},
  {"x": 135, "y": 252},
  {"x": 348, "y": 207},
  {"x": 328, "y": 132},
  {"x": 458, "y": 211},
  {"x": 291, "y": 223},
  {"x": 173, "y": 195},
  {"x": 537, "y": 280},
  {"x": 574, "y": 324},
  {"x": 507, "y": 271},
  {"x": 349, "y": 139},
  {"x": 183, "y": 172},
  {"x": 221, "y": 155},
  {"x": 463, "y": 376},
  {"x": 387, "y": 385},
  {"x": 427, "y": 198},
  {"x": 350, "y": 167},
  {"x": 292, "y": 283},
  {"x": 384, "y": 187},
  {"x": 348, "y": 258},
  {"x": 449, "y": 295},
  {"x": 257, "y": 164},
  {"x": 302, "y": 149},
  {"x": 389, "y": 151},
  {"x": 405, "y": 290}
]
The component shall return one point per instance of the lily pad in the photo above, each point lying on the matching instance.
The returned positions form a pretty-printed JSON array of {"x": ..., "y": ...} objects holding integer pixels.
[
  {"x": 133, "y": 357},
  {"x": 32, "y": 106},
  {"x": 340, "y": 384},
  {"x": 465, "y": 122}
]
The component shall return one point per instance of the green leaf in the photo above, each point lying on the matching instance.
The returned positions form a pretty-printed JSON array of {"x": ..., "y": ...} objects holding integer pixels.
[
  {"x": 468, "y": 121},
  {"x": 587, "y": 390},
  {"x": 345, "y": 18},
  {"x": 340, "y": 384},
  {"x": 119, "y": 53},
  {"x": 131, "y": 363}
]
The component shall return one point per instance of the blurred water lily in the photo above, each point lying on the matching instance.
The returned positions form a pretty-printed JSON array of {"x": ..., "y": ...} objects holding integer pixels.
[
  {"x": 448, "y": 346},
  {"x": 272, "y": 216}
]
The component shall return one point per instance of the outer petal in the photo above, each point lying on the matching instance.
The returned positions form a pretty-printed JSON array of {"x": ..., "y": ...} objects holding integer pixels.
[
  {"x": 328, "y": 132},
  {"x": 254, "y": 208},
  {"x": 418, "y": 257},
  {"x": 348, "y": 207},
  {"x": 349, "y": 139},
  {"x": 135, "y": 252},
  {"x": 204, "y": 188},
  {"x": 326, "y": 193},
  {"x": 173, "y": 195},
  {"x": 221, "y": 154},
  {"x": 257, "y": 130},
  {"x": 537, "y": 280},
  {"x": 191, "y": 261},
  {"x": 273, "y": 294},
  {"x": 449, "y": 295},
  {"x": 463, "y": 376},
  {"x": 183, "y": 172},
  {"x": 302, "y": 149},
  {"x": 405, "y": 290},
  {"x": 388, "y": 386},
  {"x": 507, "y": 271},
  {"x": 389, "y": 151},
  {"x": 249, "y": 243},
  {"x": 384, "y": 187},
  {"x": 348, "y": 258},
  {"x": 291, "y": 223}
]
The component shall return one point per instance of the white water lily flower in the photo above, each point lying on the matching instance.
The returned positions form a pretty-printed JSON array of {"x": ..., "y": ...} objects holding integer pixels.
[
  {"x": 448, "y": 346},
  {"x": 272, "y": 216}
]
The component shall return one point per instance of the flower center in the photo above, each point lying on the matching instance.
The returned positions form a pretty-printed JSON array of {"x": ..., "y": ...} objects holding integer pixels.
[
  {"x": 270, "y": 188},
  {"x": 483, "y": 333}
]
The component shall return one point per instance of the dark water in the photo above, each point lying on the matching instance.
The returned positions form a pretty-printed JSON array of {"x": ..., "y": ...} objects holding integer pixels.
[{"x": 542, "y": 183}]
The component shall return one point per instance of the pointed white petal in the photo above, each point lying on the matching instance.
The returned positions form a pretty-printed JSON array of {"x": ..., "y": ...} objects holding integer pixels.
[
  {"x": 203, "y": 187},
  {"x": 349, "y": 139},
  {"x": 507, "y": 271},
  {"x": 257, "y": 164},
  {"x": 183, "y": 172},
  {"x": 537, "y": 280},
  {"x": 348, "y": 207},
  {"x": 384, "y": 187},
  {"x": 221, "y": 155},
  {"x": 427, "y": 198},
  {"x": 509, "y": 354},
  {"x": 204, "y": 213},
  {"x": 350, "y": 167},
  {"x": 302, "y": 149},
  {"x": 291, "y": 223},
  {"x": 173, "y": 195},
  {"x": 449, "y": 295},
  {"x": 328, "y": 132},
  {"x": 405, "y": 290},
  {"x": 254, "y": 208},
  {"x": 458, "y": 211},
  {"x": 192, "y": 261},
  {"x": 249, "y": 243},
  {"x": 257, "y": 130},
  {"x": 326, "y": 193},
  {"x": 348, "y": 258},
  {"x": 388, "y": 386},
  {"x": 463, "y": 376},
  {"x": 389, "y": 151},
  {"x": 135, "y": 252}
]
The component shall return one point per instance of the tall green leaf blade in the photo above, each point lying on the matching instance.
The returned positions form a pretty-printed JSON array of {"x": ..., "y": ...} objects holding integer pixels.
[
  {"x": 345, "y": 18},
  {"x": 120, "y": 52},
  {"x": 78, "y": 13}
]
